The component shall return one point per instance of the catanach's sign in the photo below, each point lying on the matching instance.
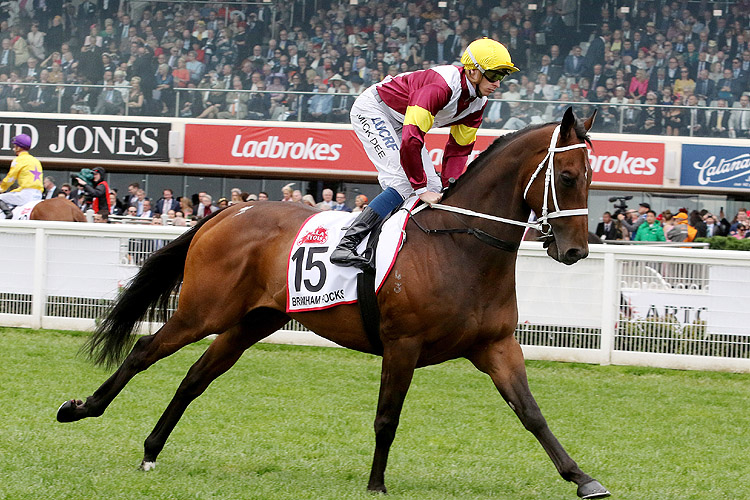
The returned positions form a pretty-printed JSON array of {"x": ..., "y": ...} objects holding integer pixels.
[
  {"x": 89, "y": 139},
  {"x": 715, "y": 166}
]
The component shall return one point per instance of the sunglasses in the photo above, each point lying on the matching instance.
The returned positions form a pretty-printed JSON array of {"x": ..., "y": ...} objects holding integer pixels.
[{"x": 497, "y": 75}]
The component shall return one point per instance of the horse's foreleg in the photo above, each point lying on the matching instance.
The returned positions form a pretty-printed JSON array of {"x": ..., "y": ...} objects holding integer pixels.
[
  {"x": 220, "y": 356},
  {"x": 503, "y": 362},
  {"x": 174, "y": 335},
  {"x": 399, "y": 361}
]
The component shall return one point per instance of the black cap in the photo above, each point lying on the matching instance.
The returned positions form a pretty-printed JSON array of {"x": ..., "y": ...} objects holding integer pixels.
[{"x": 645, "y": 205}]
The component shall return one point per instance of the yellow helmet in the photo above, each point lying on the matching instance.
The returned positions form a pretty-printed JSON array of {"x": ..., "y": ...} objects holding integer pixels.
[{"x": 490, "y": 57}]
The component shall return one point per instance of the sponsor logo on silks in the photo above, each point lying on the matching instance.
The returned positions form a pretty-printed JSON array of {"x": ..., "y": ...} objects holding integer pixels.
[
  {"x": 634, "y": 165},
  {"x": 372, "y": 131},
  {"x": 712, "y": 172},
  {"x": 318, "y": 236}
]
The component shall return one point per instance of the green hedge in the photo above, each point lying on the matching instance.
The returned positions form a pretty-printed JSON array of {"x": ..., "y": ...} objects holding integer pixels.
[{"x": 726, "y": 243}]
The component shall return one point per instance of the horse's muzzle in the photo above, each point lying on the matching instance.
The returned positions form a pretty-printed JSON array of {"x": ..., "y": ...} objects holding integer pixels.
[{"x": 573, "y": 255}]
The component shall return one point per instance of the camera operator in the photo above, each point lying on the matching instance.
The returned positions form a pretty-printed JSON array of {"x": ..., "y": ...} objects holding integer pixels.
[
  {"x": 633, "y": 224},
  {"x": 97, "y": 189}
]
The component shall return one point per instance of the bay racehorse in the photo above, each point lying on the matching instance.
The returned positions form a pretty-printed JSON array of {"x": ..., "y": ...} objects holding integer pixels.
[
  {"x": 60, "y": 209},
  {"x": 448, "y": 296}
]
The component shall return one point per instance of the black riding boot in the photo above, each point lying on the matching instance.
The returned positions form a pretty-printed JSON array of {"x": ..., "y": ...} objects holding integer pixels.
[
  {"x": 345, "y": 254},
  {"x": 6, "y": 210}
]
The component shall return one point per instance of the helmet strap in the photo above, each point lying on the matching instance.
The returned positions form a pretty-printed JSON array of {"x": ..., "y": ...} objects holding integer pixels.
[{"x": 476, "y": 64}]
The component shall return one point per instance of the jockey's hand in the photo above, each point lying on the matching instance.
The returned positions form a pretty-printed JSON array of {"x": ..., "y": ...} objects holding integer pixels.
[{"x": 429, "y": 197}]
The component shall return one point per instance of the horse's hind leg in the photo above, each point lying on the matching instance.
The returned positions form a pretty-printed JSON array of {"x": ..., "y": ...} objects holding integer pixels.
[
  {"x": 399, "y": 361},
  {"x": 171, "y": 337},
  {"x": 503, "y": 362},
  {"x": 220, "y": 356}
]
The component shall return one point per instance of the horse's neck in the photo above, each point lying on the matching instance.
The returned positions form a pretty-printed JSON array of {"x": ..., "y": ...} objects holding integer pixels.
[{"x": 497, "y": 187}]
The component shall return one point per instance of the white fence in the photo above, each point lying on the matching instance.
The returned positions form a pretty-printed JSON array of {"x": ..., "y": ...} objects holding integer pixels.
[{"x": 648, "y": 306}]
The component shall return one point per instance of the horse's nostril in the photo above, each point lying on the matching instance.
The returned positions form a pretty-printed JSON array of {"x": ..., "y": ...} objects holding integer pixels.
[{"x": 575, "y": 254}]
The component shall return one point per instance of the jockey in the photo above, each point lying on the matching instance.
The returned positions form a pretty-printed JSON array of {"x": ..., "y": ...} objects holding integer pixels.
[
  {"x": 24, "y": 170},
  {"x": 392, "y": 117},
  {"x": 98, "y": 190}
]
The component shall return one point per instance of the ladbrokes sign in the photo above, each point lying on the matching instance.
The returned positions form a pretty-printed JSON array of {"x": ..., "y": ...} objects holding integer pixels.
[
  {"x": 89, "y": 139},
  {"x": 275, "y": 147},
  {"x": 325, "y": 149}
]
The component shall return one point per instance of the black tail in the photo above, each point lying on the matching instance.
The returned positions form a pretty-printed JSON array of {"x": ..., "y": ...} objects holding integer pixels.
[{"x": 146, "y": 297}]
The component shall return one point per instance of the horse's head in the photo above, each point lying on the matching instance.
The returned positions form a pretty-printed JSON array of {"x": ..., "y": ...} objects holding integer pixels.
[{"x": 566, "y": 173}]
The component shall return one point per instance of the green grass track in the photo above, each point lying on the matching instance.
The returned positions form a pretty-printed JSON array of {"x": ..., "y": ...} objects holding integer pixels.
[{"x": 296, "y": 423}]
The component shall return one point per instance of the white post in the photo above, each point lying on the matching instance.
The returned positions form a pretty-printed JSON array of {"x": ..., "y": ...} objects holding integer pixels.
[
  {"x": 40, "y": 276},
  {"x": 610, "y": 307}
]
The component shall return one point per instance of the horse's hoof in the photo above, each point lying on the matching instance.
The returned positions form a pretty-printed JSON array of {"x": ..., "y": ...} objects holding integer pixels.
[
  {"x": 380, "y": 489},
  {"x": 593, "y": 489},
  {"x": 67, "y": 411},
  {"x": 147, "y": 466}
]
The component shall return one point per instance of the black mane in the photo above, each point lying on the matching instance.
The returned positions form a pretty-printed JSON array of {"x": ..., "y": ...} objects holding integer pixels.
[{"x": 501, "y": 142}]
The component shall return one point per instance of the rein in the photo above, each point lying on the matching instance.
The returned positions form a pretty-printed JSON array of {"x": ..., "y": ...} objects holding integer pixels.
[{"x": 541, "y": 224}]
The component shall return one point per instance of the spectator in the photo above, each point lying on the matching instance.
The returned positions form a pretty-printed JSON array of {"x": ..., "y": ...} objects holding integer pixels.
[
  {"x": 186, "y": 206},
  {"x": 327, "y": 202},
  {"x": 718, "y": 124},
  {"x": 650, "y": 119},
  {"x": 739, "y": 123},
  {"x": 681, "y": 231},
  {"x": 109, "y": 102},
  {"x": 206, "y": 206},
  {"x": 50, "y": 189},
  {"x": 340, "y": 204},
  {"x": 360, "y": 202},
  {"x": 650, "y": 229},
  {"x": 606, "y": 229},
  {"x": 166, "y": 203},
  {"x": 236, "y": 196},
  {"x": 136, "y": 98},
  {"x": 147, "y": 211},
  {"x": 139, "y": 201}
]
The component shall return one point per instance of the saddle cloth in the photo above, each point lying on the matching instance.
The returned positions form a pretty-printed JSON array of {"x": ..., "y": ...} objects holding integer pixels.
[
  {"x": 313, "y": 283},
  {"x": 23, "y": 212}
]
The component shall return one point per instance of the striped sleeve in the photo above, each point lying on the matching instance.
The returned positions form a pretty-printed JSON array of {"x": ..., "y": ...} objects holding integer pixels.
[
  {"x": 459, "y": 146},
  {"x": 424, "y": 103}
]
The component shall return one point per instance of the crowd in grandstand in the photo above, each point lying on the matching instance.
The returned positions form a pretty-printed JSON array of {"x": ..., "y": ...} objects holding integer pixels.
[
  {"x": 656, "y": 54},
  {"x": 185, "y": 210},
  {"x": 644, "y": 224}
]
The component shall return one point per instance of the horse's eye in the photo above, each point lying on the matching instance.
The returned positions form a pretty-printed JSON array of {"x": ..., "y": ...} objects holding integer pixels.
[{"x": 567, "y": 180}]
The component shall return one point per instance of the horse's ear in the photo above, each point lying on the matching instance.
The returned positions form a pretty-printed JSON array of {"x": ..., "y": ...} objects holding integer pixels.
[
  {"x": 568, "y": 123},
  {"x": 590, "y": 120}
]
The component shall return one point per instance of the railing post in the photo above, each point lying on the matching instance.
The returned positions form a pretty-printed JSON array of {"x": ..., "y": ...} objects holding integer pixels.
[
  {"x": 622, "y": 118},
  {"x": 299, "y": 107},
  {"x": 692, "y": 122},
  {"x": 177, "y": 102},
  {"x": 38, "y": 297},
  {"x": 610, "y": 307}
]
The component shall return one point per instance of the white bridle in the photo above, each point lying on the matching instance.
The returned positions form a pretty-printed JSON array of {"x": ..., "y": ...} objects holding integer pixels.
[{"x": 541, "y": 224}]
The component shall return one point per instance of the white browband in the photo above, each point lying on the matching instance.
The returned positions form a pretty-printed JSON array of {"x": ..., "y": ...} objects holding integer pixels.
[{"x": 541, "y": 223}]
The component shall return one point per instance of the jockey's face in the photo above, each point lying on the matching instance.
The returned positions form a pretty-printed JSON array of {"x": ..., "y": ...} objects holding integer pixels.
[{"x": 483, "y": 86}]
